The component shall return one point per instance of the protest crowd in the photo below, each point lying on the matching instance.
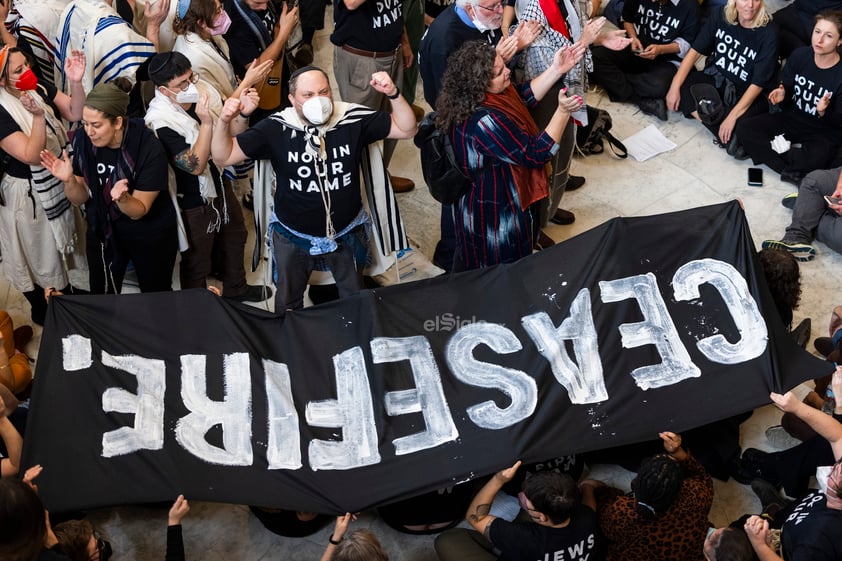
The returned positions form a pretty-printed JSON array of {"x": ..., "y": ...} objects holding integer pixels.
[{"x": 141, "y": 142}]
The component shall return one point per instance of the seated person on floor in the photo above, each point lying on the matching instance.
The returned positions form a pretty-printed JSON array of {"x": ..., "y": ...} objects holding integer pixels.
[
  {"x": 793, "y": 468},
  {"x": 810, "y": 526},
  {"x": 562, "y": 520},
  {"x": 810, "y": 117},
  {"x": 816, "y": 215},
  {"x": 795, "y": 23},
  {"x": 358, "y": 545},
  {"x": 665, "y": 516},
  {"x": 728, "y": 544},
  {"x": 661, "y": 33},
  {"x": 740, "y": 43}
]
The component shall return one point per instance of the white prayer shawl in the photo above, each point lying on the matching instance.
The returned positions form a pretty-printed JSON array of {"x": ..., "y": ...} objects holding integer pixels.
[
  {"x": 49, "y": 190},
  {"x": 112, "y": 47},
  {"x": 214, "y": 67},
  {"x": 162, "y": 112},
  {"x": 36, "y": 26},
  {"x": 385, "y": 227}
]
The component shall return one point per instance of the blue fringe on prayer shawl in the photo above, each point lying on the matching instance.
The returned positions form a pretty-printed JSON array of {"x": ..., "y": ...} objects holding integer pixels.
[
  {"x": 386, "y": 230},
  {"x": 112, "y": 47}
]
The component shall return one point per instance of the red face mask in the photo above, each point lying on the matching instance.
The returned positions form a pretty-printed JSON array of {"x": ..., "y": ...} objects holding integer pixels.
[{"x": 27, "y": 81}]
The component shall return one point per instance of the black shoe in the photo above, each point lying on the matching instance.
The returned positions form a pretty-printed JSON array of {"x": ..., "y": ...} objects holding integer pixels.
[
  {"x": 654, "y": 106},
  {"x": 824, "y": 345},
  {"x": 573, "y": 182},
  {"x": 563, "y": 217},
  {"x": 771, "y": 500},
  {"x": 754, "y": 464},
  {"x": 793, "y": 177},
  {"x": 248, "y": 201},
  {"x": 304, "y": 55},
  {"x": 801, "y": 333},
  {"x": 253, "y": 293},
  {"x": 736, "y": 150}
]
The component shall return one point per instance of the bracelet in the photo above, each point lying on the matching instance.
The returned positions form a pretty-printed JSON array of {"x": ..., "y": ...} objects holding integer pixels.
[
  {"x": 246, "y": 117},
  {"x": 334, "y": 542},
  {"x": 396, "y": 95}
]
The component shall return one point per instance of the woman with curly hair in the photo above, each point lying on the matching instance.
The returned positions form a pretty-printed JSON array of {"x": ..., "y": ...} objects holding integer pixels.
[{"x": 498, "y": 145}]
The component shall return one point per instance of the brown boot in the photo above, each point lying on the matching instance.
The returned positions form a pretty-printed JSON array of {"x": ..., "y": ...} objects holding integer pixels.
[
  {"x": 544, "y": 241},
  {"x": 401, "y": 184}
]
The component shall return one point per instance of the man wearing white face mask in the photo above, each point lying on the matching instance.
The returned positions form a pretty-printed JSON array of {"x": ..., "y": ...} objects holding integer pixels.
[
  {"x": 316, "y": 149},
  {"x": 182, "y": 114}
]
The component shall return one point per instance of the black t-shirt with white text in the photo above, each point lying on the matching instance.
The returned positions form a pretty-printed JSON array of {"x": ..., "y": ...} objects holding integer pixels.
[
  {"x": 744, "y": 56},
  {"x": 806, "y": 83},
  {"x": 578, "y": 541},
  {"x": 373, "y": 26},
  {"x": 811, "y": 531},
  {"x": 661, "y": 23},
  {"x": 299, "y": 201}
]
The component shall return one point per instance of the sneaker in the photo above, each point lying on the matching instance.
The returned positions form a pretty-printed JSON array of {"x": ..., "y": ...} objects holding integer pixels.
[
  {"x": 789, "y": 200},
  {"x": 563, "y": 217},
  {"x": 253, "y": 293},
  {"x": 654, "y": 106},
  {"x": 780, "y": 439},
  {"x": 801, "y": 251},
  {"x": 801, "y": 333},
  {"x": 574, "y": 182},
  {"x": 753, "y": 465},
  {"x": 401, "y": 184}
]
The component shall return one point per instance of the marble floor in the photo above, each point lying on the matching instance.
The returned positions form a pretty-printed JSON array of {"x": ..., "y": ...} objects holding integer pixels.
[{"x": 695, "y": 173}]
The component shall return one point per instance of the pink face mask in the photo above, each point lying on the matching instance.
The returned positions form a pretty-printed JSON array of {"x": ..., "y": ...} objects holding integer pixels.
[
  {"x": 834, "y": 487},
  {"x": 221, "y": 24},
  {"x": 28, "y": 81}
]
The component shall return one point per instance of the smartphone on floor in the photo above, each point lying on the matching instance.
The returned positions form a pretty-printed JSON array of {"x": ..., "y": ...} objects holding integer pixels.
[{"x": 755, "y": 177}]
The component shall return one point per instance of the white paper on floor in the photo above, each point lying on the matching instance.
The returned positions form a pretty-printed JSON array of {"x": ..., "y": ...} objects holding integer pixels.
[{"x": 648, "y": 143}]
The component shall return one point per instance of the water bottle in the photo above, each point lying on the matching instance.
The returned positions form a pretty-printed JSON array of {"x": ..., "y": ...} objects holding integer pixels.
[{"x": 829, "y": 404}]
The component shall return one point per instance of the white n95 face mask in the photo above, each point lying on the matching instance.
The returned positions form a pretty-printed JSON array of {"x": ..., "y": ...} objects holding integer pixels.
[
  {"x": 317, "y": 109},
  {"x": 190, "y": 95}
]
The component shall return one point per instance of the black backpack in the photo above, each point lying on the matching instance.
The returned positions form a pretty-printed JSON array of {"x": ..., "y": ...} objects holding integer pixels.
[
  {"x": 589, "y": 138},
  {"x": 446, "y": 181}
]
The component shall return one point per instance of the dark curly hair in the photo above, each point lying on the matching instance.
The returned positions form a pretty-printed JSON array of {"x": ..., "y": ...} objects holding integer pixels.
[
  {"x": 555, "y": 495},
  {"x": 469, "y": 71},
  {"x": 657, "y": 485},
  {"x": 783, "y": 277}
]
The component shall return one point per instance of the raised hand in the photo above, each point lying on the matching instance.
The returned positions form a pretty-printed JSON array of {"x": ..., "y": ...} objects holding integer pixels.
[
  {"x": 61, "y": 168},
  {"x": 178, "y": 511},
  {"x": 256, "y": 72},
  {"x": 203, "y": 110}
]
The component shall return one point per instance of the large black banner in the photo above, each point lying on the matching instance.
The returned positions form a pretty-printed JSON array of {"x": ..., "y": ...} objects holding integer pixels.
[{"x": 640, "y": 325}]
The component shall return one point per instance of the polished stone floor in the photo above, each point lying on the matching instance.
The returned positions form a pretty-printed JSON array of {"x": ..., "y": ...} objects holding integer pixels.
[{"x": 693, "y": 174}]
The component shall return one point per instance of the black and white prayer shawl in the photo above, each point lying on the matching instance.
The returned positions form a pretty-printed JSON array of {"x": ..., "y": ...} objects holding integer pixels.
[
  {"x": 387, "y": 233},
  {"x": 49, "y": 190},
  {"x": 212, "y": 62},
  {"x": 162, "y": 112},
  {"x": 36, "y": 26},
  {"x": 112, "y": 47}
]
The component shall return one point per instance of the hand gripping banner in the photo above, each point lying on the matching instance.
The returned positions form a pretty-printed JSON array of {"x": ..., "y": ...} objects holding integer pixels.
[{"x": 637, "y": 326}]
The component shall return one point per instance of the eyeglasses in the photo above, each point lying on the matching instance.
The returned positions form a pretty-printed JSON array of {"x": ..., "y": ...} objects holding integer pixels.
[
  {"x": 496, "y": 7},
  {"x": 184, "y": 84}
]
